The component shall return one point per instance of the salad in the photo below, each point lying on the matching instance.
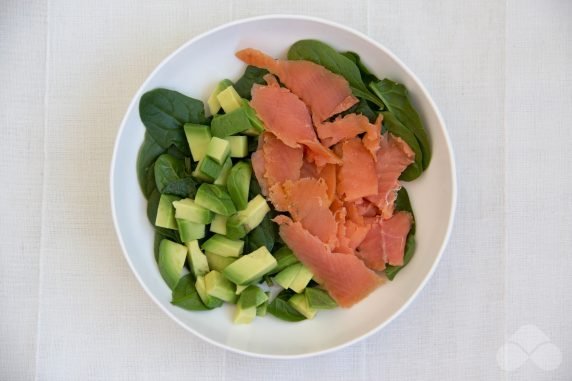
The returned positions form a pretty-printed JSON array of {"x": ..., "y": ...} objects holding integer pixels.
[{"x": 287, "y": 199}]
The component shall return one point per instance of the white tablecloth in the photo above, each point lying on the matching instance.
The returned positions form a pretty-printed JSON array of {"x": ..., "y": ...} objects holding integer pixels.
[{"x": 501, "y": 72}]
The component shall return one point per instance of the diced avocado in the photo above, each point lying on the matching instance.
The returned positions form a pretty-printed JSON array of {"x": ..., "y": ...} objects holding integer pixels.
[
  {"x": 238, "y": 184},
  {"x": 229, "y": 99},
  {"x": 207, "y": 170},
  {"x": 252, "y": 296},
  {"x": 250, "y": 267},
  {"x": 208, "y": 300},
  {"x": 220, "y": 245},
  {"x": 198, "y": 137},
  {"x": 240, "y": 288},
  {"x": 256, "y": 125},
  {"x": 230, "y": 124},
  {"x": 302, "y": 279},
  {"x": 190, "y": 230},
  {"x": 218, "y": 286},
  {"x": 285, "y": 257},
  {"x": 223, "y": 176},
  {"x": 171, "y": 261},
  {"x": 218, "y": 150},
  {"x": 197, "y": 260},
  {"x": 215, "y": 198},
  {"x": 218, "y": 224},
  {"x": 214, "y": 104},
  {"x": 319, "y": 299},
  {"x": 244, "y": 315},
  {"x": 241, "y": 223},
  {"x": 262, "y": 309},
  {"x": 300, "y": 303},
  {"x": 218, "y": 262},
  {"x": 187, "y": 209},
  {"x": 166, "y": 213},
  {"x": 285, "y": 277},
  {"x": 238, "y": 145}
]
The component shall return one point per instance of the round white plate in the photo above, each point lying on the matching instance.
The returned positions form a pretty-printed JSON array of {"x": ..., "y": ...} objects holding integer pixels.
[{"x": 194, "y": 69}]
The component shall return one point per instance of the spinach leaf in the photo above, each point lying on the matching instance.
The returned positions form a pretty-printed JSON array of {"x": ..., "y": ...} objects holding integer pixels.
[
  {"x": 362, "y": 107},
  {"x": 280, "y": 307},
  {"x": 163, "y": 112},
  {"x": 397, "y": 101},
  {"x": 319, "y": 299},
  {"x": 252, "y": 144},
  {"x": 148, "y": 153},
  {"x": 152, "y": 205},
  {"x": 402, "y": 203},
  {"x": 366, "y": 74},
  {"x": 171, "y": 177},
  {"x": 254, "y": 188},
  {"x": 410, "y": 244},
  {"x": 323, "y": 54},
  {"x": 263, "y": 235},
  {"x": 251, "y": 76},
  {"x": 185, "y": 295},
  {"x": 394, "y": 126}
]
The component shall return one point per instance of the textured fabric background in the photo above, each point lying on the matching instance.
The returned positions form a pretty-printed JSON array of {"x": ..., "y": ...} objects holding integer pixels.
[{"x": 501, "y": 73}]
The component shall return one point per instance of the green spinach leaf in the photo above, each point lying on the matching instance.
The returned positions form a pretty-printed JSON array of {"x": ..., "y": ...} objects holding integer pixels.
[
  {"x": 394, "y": 126},
  {"x": 148, "y": 153},
  {"x": 396, "y": 99},
  {"x": 362, "y": 107},
  {"x": 171, "y": 177},
  {"x": 323, "y": 54},
  {"x": 251, "y": 76},
  {"x": 280, "y": 307},
  {"x": 264, "y": 234},
  {"x": 319, "y": 299},
  {"x": 366, "y": 74},
  {"x": 152, "y": 205},
  {"x": 402, "y": 203},
  {"x": 163, "y": 112},
  {"x": 185, "y": 295}
]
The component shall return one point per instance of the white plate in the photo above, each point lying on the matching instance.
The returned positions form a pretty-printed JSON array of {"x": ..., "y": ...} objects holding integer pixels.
[{"x": 194, "y": 69}]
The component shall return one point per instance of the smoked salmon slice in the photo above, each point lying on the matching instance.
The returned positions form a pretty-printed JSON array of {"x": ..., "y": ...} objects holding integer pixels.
[
  {"x": 348, "y": 127},
  {"x": 385, "y": 242},
  {"x": 287, "y": 117},
  {"x": 326, "y": 93},
  {"x": 346, "y": 277},
  {"x": 393, "y": 157},
  {"x": 357, "y": 175}
]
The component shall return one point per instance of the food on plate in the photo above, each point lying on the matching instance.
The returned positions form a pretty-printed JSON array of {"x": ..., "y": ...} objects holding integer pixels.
[{"x": 286, "y": 198}]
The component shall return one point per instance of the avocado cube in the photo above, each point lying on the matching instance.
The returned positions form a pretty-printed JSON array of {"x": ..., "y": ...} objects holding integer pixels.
[
  {"x": 241, "y": 223},
  {"x": 220, "y": 245},
  {"x": 215, "y": 198},
  {"x": 166, "y": 213},
  {"x": 218, "y": 286},
  {"x": 171, "y": 261},
  {"x": 238, "y": 145},
  {"x": 198, "y": 137},
  {"x": 197, "y": 260},
  {"x": 187, "y": 209},
  {"x": 240, "y": 288},
  {"x": 190, "y": 230},
  {"x": 285, "y": 257},
  {"x": 300, "y": 303},
  {"x": 218, "y": 150},
  {"x": 218, "y": 224},
  {"x": 218, "y": 262},
  {"x": 302, "y": 279},
  {"x": 214, "y": 104},
  {"x": 207, "y": 170},
  {"x": 224, "y": 172},
  {"x": 208, "y": 300},
  {"x": 244, "y": 315},
  {"x": 230, "y": 124},
  {"x": 252, "y": 296},
  {"x": 285, "y": 277},
  {"x": 250, "y": 267},
  {"x": 229, "y": 99},
  {"x": 238, "y": 184}
]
